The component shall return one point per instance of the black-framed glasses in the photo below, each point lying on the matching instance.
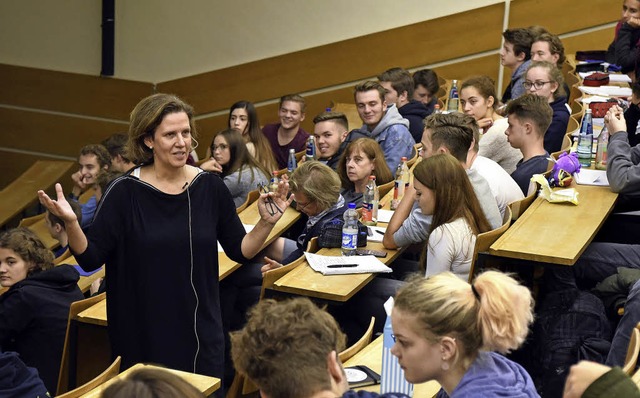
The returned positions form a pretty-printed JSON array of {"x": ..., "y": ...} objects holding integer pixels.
[
  {"x": 537, "y": 84},
  {"x": 272, "y": 207}
]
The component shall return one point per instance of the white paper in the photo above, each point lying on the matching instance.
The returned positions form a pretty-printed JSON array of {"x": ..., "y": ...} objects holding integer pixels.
[
  {"x": 247, "y": 228},
  {"x": 366, "y": 264},
  {"x": 613, "y": 77},
  {"x": 611, "y": 91},
  {"x": 592, "y": 177},
  {"x": 377, "y": 233},
  {"x": 384, "y": 215}
]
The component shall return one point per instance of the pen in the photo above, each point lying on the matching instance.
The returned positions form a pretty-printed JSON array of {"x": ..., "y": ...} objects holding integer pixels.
[
  {"x": 380, "y": 232},
  {"x": 341, "y": 265}
]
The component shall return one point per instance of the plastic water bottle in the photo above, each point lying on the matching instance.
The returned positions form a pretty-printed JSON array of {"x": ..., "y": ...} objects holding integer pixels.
[
  {"x": 350, "y": 231},
  {"x": 401, "y": 183},
  {"x": 452, "y": 106},
  {"x": 273, "y": 184},
  {"x": 601, "y": 153},
  {"x": 436, "y": 109},
  {"x": 585, "y": 141},
  {"x": 311, "y": 149},
  {"x": 292, "y": 164},
  {"x": 370, "y": 201}
]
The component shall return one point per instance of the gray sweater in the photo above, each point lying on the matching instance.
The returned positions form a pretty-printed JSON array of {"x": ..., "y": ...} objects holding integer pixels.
[
  {"x": 623, "y": 165},
  {"x": 241, "y": 182}
]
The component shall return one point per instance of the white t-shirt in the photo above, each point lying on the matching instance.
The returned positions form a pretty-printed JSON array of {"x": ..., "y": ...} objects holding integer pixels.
[
  {"x": 450, "y": 248},
  {"x": 503, "y": 187}
]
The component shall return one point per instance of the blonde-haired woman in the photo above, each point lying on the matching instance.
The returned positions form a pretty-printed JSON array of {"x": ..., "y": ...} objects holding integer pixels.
[{"x": 447, "y": 330}]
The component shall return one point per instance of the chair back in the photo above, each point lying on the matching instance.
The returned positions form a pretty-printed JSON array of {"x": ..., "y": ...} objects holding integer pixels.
[
  {"x": 75, "y": 308},
  {"x": 572, "y": 127},
  {"x": 577, "y": 108},
  {"x": 520, "y": 206},
  {"x": 485, "y": 240},
  {"x": 358, "y": 345},
  {"x": 350, "y": 111},
  {"x": 632, "y": 352},
  {"x": 252, "y": 196},
  {"x": 385, "y": 188},
  {"x": 111, "y": 372},
  {"x": 63, "y": 257}
]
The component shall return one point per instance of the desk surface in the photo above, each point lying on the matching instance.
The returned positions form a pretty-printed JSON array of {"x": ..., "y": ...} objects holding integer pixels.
[
  {"x": 371, "y": 356},
  {"x": 557, "y": 233},
  {"x": 23, "y": 191},
  {"x": 205, "y": 384},
  {"x": 303, "y": 280}
]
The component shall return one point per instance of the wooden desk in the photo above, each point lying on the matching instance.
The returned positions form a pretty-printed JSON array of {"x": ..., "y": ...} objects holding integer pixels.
[
  {"x": 304, "y": 281},
  {"x": 205, "y": 384},
  {"x": 23, "y": 191},
  {"x": 557, "y": 233},
  {"x": 371, "y": 356},
  {"x": 250, "y": 216},
  {"x": 95, "y": 315}
]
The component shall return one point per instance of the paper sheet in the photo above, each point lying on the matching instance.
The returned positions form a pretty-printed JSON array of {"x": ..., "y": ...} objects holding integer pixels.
[
  {"x": 611, "y": 91},
  {"x": 592, "y": 177},
  {"x": 365, "y": 264},
  {"x": 384, "y": 215},
  {"x": 376, "y": 235}
]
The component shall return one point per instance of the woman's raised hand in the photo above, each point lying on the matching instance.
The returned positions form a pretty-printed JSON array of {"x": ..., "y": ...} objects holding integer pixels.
[
  {"x": 272, "y": 205},
  {"x": 59, "y": 207}
]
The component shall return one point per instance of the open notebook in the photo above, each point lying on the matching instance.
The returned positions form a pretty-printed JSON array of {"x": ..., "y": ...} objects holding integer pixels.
[{"x": 341, "y": 265}]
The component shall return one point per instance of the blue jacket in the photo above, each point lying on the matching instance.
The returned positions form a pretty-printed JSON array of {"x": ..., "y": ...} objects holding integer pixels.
[
  {"x": 492, "y": 375},
  {"x": 558, "y": 127},
  {"x": 17, "y": 380}
]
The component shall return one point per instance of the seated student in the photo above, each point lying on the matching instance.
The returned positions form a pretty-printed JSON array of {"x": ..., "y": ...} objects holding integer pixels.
[
  {"x": 287, "y": 134},
  {"x": 426, "y": 86},
  {"x": 478, "y": 99},
  {"x": 115, "y": 144},
  {"x": 17, "y": 380},
  {"x": 545, "y": 79},
  {"x": 92, "y": 159},
  {"x": 35, "y": 309},
  {"x": 593, "y": 380},
  {"x": 56, "y": 228},
  {"x": 443, "y": 191},
  {"x": 632, "y": 116},
  {"x": 383, "y": 124},
  {"x": 623, "y": 50},
  {"x": 443, "y": 133},
  {"x": 151, "y": 383},
  {"x": 399, "y": 85},
  {"x": 504, "y": 188},
  {"x": 244, "y": 117},
  {"x": 447, "y": 330},
  {"x": 307, "y": 365},
  {"x": 361, "y": 159},
  {"x": 529, "y": 117},
  {"x": 515, "y": 55},
  {"x": 330, "y": 131},
  {"x": 548, "y": 47},
  {"x": 241, "y": 172}
]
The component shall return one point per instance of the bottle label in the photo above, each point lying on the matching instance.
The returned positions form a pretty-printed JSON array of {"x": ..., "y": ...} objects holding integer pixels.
[
  {"x": 367, "y": 212},
  {"x": 398, "y": 189},
  {"x": 349, "y": 241}
]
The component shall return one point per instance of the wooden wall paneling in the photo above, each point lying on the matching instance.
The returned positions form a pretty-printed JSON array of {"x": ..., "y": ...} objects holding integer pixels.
[
  {"x": 70, "y": 92},
  {"x": 563, "y": 16},
  {"x": 598, "y": 40},
  {"x": 54, "y": 134},
  {"x": 488, "y": 65},
  {"x": 344, "y": 61}
]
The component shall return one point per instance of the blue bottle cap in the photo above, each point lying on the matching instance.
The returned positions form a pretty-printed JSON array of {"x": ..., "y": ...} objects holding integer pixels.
[{"x": 352, "y": 205}]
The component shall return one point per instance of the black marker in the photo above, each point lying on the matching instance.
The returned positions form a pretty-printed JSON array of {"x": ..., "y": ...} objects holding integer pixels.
[{"x": 342, "y": 265}]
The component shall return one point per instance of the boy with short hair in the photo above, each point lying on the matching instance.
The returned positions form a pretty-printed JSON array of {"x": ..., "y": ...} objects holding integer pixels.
[
  {"x": 516, "y": 55},
  {"x": 529, "y": 118},
  {"x": 287, "y": 134}
]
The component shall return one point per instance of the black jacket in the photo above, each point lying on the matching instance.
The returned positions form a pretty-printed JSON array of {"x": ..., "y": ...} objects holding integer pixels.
[
  {"x": 17, "y": 380},
  {"x": 33, "y": 319},
  {"x": 415, "y": 112}
]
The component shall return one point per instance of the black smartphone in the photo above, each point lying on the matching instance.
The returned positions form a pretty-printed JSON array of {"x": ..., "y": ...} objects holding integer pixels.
[{"x": 369, "y": 252}]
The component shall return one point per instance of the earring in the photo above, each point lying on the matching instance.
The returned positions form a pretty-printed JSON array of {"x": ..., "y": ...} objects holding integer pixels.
[
  {"x": 445, "y": 364},
  {"x": 150, "y": 147}
]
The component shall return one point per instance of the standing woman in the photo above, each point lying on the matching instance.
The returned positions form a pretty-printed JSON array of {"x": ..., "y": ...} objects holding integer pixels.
[
  {"x": 361, "y": 159},
  {"x": 544, "y": 79},
  {"x": 156, "y": 230},
  {"x": 35, "y": 309},
  {"x": 446, "y": 330},
  {"x": 241, "y": 172},
  {"x": 478, "y": 99},
  {"x": 443, "y": 190}
]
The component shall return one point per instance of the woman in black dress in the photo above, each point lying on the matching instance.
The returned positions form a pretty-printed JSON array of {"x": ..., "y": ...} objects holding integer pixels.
[{"x": 156, "y": 230}]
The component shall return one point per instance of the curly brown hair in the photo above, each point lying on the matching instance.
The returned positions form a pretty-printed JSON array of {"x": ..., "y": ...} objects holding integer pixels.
[{"x": 29, "y": 247}]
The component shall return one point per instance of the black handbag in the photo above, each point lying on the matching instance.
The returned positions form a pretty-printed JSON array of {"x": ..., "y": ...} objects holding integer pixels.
[{"x": 331, "y": 234}]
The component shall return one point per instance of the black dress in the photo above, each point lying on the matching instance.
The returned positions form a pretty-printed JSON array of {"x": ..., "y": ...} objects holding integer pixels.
[
  {"x": 33, "y": 319},
  {"x": 161, "y": 258}
]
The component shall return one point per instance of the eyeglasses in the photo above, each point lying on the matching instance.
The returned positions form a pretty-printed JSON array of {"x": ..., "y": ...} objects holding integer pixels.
[
  {"x": 272, "y": 207},
  {"x": 537, "y": 84},
  {"x": 300, "y": 206},
  {"x": 221, "y": 147}
]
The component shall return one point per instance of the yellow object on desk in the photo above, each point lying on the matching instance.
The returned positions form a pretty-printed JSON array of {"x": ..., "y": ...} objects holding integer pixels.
[{"x": 205, "y": 384}]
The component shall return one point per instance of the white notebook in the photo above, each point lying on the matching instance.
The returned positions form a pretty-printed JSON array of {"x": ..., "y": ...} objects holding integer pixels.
[
  {"x": 592, "y": 177},
  {"x": 335, "y": 265}
]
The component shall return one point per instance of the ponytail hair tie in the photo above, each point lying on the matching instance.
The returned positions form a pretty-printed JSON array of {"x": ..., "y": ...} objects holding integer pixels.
[{"x": 475, "y": 292}]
